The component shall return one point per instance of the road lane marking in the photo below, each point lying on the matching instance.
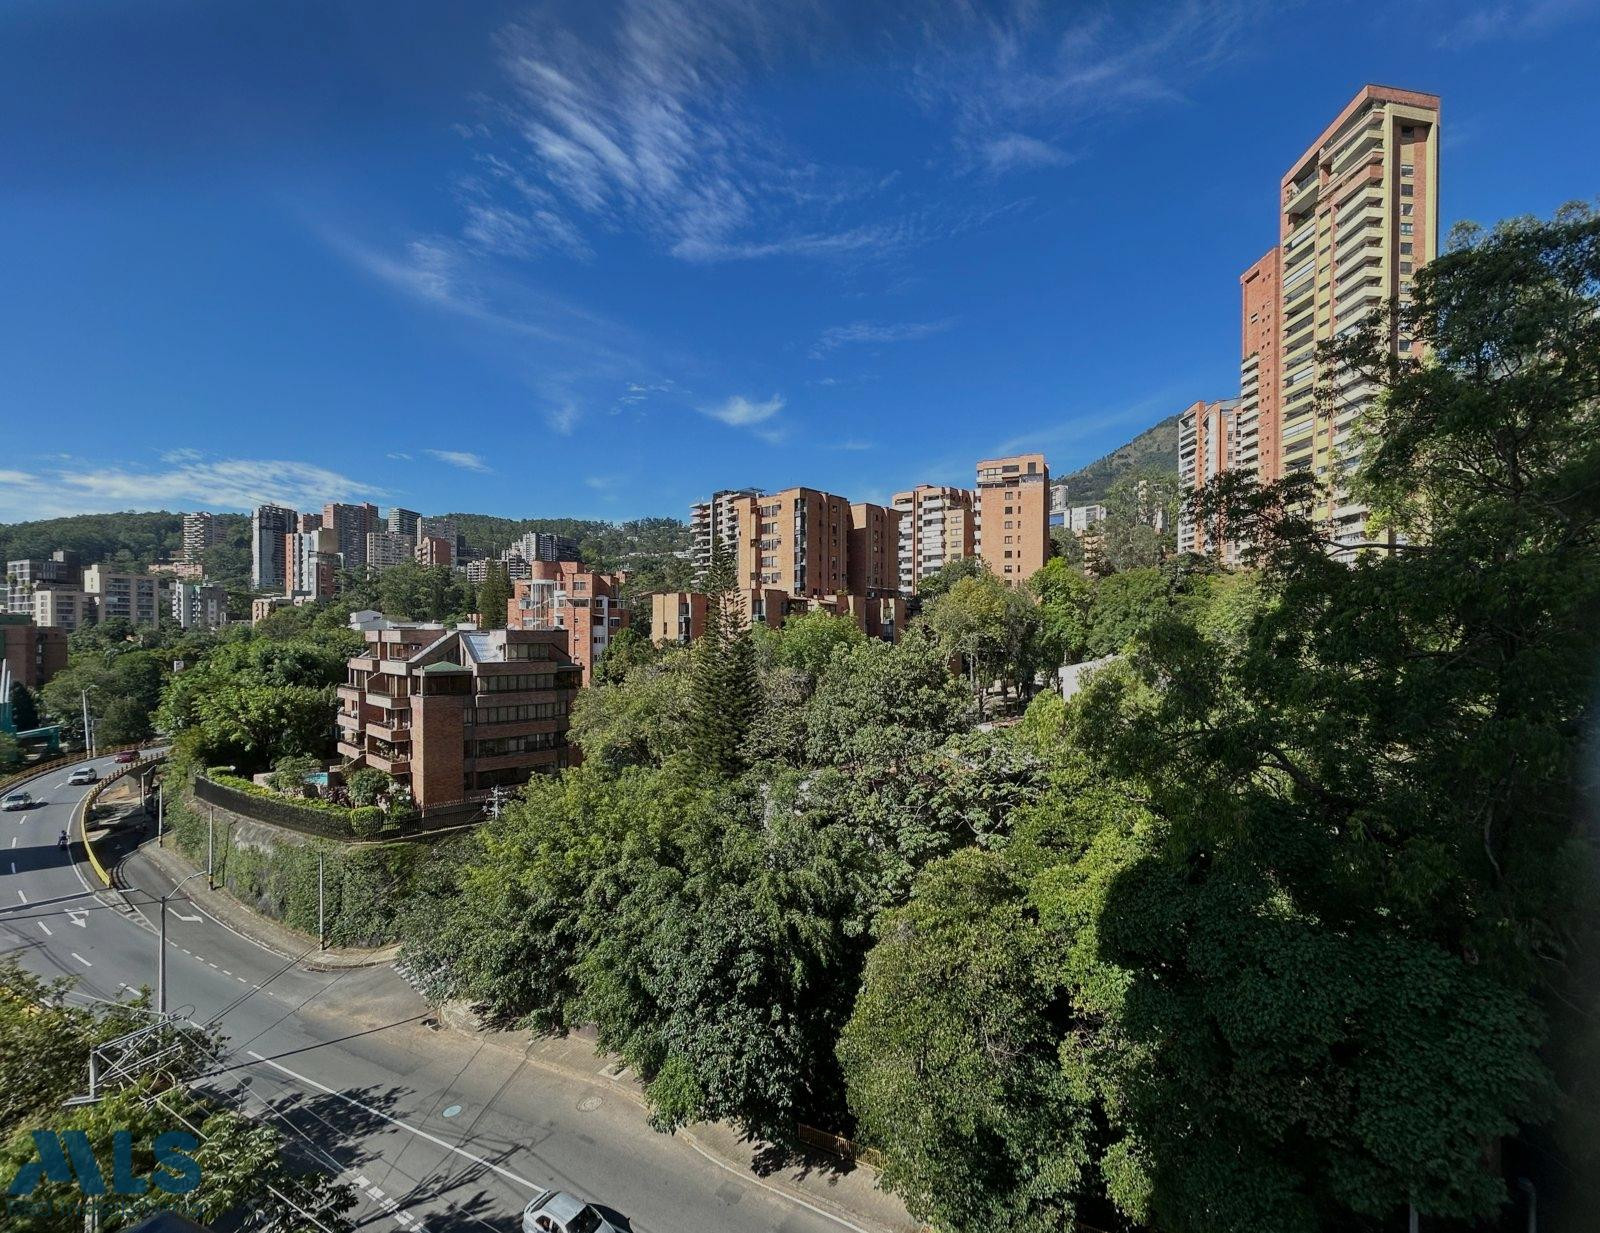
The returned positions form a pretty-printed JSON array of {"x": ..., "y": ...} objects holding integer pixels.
[
  {"x": 46, "y": 929},
  {"x": 82, "y": 960},
  {"x": 13, "y": 866},
  {"x": 22, "y": 896},
  {"x": 406, "y": 1126},
  {"x": 78, "y": 918},
  {"x": 181, "y": 916}
]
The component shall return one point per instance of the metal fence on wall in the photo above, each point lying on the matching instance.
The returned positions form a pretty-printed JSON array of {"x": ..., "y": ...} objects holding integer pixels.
[{"x": 310, "y": 821}]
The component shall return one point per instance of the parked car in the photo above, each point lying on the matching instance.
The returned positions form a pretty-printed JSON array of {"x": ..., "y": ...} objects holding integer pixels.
[
  {"x": 556, "y": 1211},
  {"x": 16, "y": 800},
  {"x": 84, "y": 774},
  {"x": 128, "y": 755}
]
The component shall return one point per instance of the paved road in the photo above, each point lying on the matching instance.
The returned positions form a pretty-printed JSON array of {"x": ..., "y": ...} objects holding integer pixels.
[{"x": 439, "y": 1132}]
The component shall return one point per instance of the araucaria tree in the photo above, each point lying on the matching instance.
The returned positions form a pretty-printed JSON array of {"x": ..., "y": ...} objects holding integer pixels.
[{"x": 724, "y": 691}]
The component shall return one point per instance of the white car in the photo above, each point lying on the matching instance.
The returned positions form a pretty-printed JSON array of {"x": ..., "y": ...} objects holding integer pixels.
[
  {"x": 84, "y": 774},
  {"x": 556, "y": 1211},
  {"x": 16, "y": 800}
]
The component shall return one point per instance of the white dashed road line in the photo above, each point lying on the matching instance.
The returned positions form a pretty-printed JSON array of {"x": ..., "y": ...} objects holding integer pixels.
[
  {"x": 45, "y": 927},
  {"x": 82, "y": 960}
]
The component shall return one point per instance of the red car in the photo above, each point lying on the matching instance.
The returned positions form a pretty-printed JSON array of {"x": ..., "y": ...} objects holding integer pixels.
[{"x": 128, "y": 755}]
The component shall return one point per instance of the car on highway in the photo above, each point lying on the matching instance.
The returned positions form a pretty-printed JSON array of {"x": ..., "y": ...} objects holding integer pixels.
[
  {"x": 16, "y": 800},
  {"x": 556, "y": 1211},
  {"x": 84, "y": 774},
  {"x": 128, "y": 755}
]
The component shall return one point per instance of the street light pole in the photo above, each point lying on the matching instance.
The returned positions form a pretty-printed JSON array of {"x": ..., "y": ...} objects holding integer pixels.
[{"x": 161, "y": 957}]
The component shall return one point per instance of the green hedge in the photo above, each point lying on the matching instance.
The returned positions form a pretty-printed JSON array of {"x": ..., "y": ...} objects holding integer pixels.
[{"x": 365, "y": 886}]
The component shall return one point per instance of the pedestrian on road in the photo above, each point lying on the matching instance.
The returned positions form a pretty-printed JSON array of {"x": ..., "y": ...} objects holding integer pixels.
[{"x": 62, "y": 842}]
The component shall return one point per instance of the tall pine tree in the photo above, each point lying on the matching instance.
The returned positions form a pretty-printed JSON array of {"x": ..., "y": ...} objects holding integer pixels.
[
  {"x": 725, "y": 689},
  {"x": 493, "y": 596}
]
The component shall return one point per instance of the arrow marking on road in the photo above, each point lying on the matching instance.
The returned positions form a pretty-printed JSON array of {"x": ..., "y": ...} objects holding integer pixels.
[
  {"x": 77, "y": 918},
  {"x": 181, "y": 916}
]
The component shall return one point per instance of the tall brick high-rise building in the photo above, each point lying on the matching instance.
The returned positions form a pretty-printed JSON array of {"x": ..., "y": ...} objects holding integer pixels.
[
  {"x": 1208, "y": 445},
  {"x": 874, "y": 550},
  {"x": 937, "y": 525},
  {"x": 350, "y": 525},
  {"x": 716, "y": 521},
  {"x": 796, "y": 541},
  {"x": 1359, "y": 215},
  {"x": 1013, "y": 509}
]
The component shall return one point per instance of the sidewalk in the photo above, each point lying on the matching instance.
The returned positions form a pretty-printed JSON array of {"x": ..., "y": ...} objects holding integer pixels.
[{"x": 845, "y": 1190}]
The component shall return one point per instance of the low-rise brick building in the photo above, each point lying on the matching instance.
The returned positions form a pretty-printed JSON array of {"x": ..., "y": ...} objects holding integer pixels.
[{"x": 456, "y": 713}]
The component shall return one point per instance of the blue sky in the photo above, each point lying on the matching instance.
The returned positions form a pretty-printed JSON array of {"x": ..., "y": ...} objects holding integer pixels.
[{"x": 598, "y": 260}]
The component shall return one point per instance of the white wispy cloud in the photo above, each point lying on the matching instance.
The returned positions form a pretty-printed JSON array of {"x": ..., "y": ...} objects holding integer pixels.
[
  {"x": 1490, "y": 23},
  {"x": 850, "y": 445},
  {"x": 228, "y": 483},
  {"x": 1018, "y": 151},
  {"x": 644, "y": 122},
  {"x": 564, "y": 418},
  {"x": 1017, "y": 81},
  {"x": 741, "y": 412},
  {"x": 460, "y": 458},
  {"x": 398, "y": 456},
  {"x": 876, "y": 332}
]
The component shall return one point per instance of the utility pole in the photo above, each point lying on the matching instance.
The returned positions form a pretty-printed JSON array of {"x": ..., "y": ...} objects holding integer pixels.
[
  {"x": 322, "y": 933},
  {"x": 161, "y": 956},
  {"x": 161, "y": 809},
  {"x": 211, "y": 849},
  {"x": 88, "y": 739}
]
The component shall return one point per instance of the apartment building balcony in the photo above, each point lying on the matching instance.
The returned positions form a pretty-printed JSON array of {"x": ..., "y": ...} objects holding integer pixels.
[
  {"x": 394, "y": 762},
  {"x": 349, "y": 750}
]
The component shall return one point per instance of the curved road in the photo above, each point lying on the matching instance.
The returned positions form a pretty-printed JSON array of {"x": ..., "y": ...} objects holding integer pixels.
[{"x": 437, "y": 1131}]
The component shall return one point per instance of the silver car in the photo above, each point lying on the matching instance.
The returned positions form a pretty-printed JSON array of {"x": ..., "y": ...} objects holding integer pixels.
[
  {"x": 556, "y": 1211},
  {"x": 17, "y": 800},
  {"x": 84, "y": 774}
]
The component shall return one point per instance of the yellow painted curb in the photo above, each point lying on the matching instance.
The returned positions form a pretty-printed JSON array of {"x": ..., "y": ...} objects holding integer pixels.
[{"x": 85, "y": 805}]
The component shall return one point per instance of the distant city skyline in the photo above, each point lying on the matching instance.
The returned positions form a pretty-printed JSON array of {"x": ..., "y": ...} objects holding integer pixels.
[{"x": 601, "y": 260}]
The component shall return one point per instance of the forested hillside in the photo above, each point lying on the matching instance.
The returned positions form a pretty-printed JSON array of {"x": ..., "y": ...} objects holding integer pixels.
[
  {"x": 1156, "y": 449},
  {"x": 96, "y": 537}
]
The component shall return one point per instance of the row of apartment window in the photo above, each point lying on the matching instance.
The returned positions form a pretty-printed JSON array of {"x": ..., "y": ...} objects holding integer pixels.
[
  {"x": 519, "y": 682},
  {"x": 529, "y": 650},
  {"x": 500, "y": 746},
  {"x": 518, "y": 714}
]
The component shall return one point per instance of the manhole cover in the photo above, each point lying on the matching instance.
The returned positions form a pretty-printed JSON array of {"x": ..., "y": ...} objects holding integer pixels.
[
  {"x": 453, "y": 1111},
  {"x": 589, "y": 1103}
]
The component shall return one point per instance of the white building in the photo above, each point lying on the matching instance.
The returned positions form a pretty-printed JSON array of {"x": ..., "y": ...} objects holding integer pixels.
[{"x": 199, "y": 605}]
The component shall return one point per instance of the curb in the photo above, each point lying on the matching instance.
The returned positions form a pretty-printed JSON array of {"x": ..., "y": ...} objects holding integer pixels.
[{"x": 459, "y": 1019}]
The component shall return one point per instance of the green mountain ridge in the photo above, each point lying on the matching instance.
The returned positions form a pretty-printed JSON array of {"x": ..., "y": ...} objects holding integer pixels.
[{"x": 1154, "y": 449}]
